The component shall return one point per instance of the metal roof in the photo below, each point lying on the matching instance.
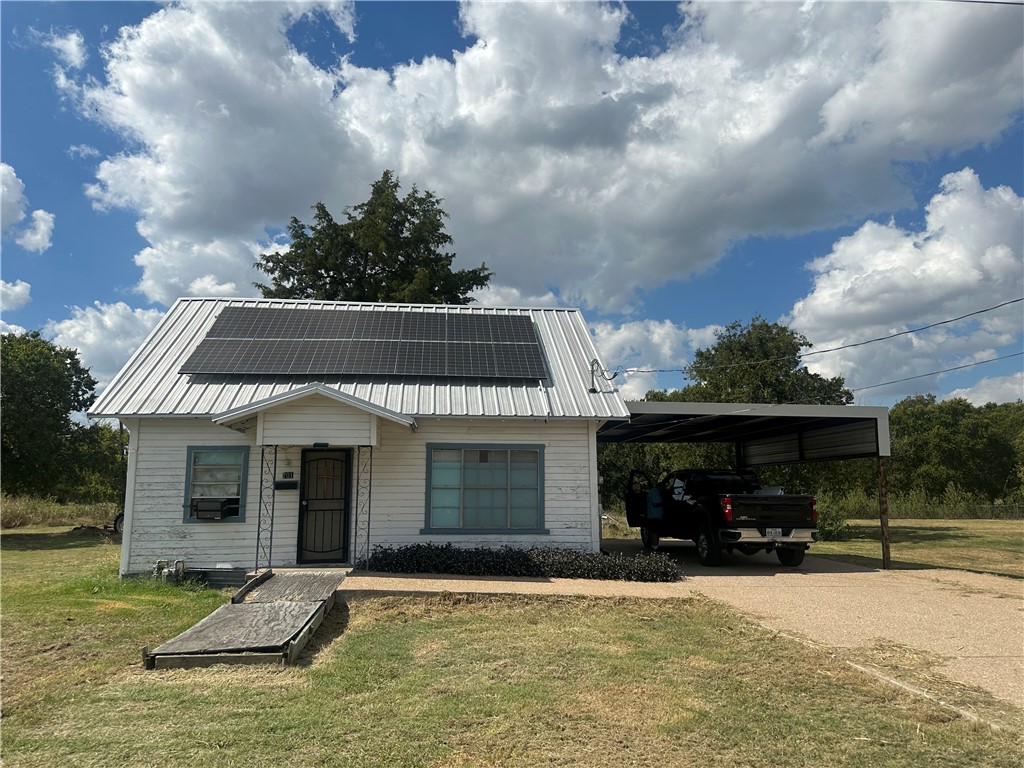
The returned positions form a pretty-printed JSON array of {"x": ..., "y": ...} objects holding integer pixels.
[
  {"x": 764, "y": 434},
  {"x": 149, "y": 383}
]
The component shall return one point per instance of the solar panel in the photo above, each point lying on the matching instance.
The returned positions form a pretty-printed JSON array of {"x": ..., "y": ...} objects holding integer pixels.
[{"x": 296, "y": 341}]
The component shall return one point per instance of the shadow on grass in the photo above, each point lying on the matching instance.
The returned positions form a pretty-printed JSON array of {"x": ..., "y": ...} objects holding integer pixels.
[
  {"x": 333, "y": 627},
  {"x": 77, "y": 538},
  {"x": 911, "y": 534},
  {"x": 908, "y": 565}
]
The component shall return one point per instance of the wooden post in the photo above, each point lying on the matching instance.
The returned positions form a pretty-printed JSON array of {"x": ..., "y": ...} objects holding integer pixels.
[{"x": 883, "y": 513}]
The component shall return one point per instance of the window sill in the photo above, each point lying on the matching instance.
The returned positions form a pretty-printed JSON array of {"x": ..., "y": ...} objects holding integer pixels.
[{"x": 484, "y": 531}]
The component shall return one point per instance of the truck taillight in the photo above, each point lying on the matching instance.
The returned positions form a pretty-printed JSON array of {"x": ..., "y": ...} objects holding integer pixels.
[
  {"x": 814, "y": 511},
  {"x": 727, "y": 509}
]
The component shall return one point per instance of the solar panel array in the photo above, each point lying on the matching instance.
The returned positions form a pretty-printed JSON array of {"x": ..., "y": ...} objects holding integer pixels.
[{"x": 294, "y": 341}]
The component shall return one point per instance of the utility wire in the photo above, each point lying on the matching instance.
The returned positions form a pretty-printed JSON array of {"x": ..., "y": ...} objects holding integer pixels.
[
  {"x": 935, "y": 373},
  {"x": 831, "y": 349}
]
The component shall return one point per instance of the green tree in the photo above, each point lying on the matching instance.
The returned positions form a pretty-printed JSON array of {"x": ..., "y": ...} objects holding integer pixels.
[
  {"x": 389, "y": 249},
  {"x": 937, "y": 445},
  {"x": 757, "y": 363},
  {"x": 98, "y": 464},
  {"x": 40, "y": 387}
]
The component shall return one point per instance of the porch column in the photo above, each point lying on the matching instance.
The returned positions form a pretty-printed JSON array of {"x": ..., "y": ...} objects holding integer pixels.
[{"x": 268, "y": 500}]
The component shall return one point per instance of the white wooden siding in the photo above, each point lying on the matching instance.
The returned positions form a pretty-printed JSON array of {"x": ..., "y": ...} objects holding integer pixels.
[
  {"x": 397, "y": 514},
  {"x": 158, "y": 531},
  {"x": 316, "y": 419}
]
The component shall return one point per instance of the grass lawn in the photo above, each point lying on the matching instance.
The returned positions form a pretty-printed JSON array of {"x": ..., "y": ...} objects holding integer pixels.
[
  {"x": 986, "y": 546},
  {"x": 441, "y": 681}
]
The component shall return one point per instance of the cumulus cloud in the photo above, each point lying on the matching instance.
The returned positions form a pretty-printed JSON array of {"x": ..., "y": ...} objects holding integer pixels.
[
  {"x": 14, "y": 295},
  {"x": 69, "y": 47},
  {"x": 638, "y": 349},
  {"x": 104, "y": 334},
  {"x": 571, "y": 169},
  {"x": 1000, "y": 389},
  {"x": 37, "y": 235},
  {"x": 12, "y": 198},
  {"x": 884, "y": 279}
]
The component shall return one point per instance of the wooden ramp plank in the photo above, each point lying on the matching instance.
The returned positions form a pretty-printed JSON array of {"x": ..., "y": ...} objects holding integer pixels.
[
  {"x": 271, "y": 619},
  {"x": 244, "y": 627},
  {"x": 296, "y": 586}
]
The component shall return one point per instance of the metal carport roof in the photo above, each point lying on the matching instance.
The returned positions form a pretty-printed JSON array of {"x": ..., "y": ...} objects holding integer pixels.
[
  {"x": 763, "y": 434},
  {"x": 767, "y": 434}
]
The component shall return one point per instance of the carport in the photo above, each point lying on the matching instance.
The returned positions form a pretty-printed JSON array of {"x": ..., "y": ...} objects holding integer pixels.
[{"x": 766, "y": 434}]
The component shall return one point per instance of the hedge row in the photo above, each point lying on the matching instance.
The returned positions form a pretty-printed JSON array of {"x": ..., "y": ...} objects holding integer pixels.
[{"x": 509, "y": 561}]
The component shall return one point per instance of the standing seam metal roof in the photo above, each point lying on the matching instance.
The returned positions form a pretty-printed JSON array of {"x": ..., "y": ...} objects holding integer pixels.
[{"x": 149, "y": 383}]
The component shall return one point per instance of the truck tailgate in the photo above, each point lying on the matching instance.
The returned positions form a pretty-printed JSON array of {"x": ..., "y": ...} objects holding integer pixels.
[{"x": 774, "y": 511}]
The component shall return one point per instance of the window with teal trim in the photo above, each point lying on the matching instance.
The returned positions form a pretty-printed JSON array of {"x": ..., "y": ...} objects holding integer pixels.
[
  {"x": 215, "y": 483},
  {"x": 489, "y": 489}
]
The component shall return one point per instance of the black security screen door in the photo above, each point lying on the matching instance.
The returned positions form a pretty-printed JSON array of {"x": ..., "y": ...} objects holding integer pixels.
[{"x": 324, "y": 507}]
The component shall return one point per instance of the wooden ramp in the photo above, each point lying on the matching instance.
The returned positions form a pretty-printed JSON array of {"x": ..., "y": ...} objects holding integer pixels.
[{"x": 269, "y": 620}]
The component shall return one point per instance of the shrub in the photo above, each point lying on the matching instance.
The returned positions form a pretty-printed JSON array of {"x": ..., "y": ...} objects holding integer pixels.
[{"x": 509, "y": 561}]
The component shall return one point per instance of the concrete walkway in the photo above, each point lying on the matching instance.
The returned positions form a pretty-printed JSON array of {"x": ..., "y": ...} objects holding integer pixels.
[{"x": 974, "y": 621}]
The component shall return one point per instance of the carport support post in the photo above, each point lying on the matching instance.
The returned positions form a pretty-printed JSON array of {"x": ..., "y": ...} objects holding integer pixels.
[{"x": 883, "y": 513}]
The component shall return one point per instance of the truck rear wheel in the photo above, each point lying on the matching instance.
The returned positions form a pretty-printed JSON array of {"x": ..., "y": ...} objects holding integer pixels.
[
  {"x": 649, "y": 539},
  {"x": 708, "y": 551},
  {"x": 789, "y": 557}
]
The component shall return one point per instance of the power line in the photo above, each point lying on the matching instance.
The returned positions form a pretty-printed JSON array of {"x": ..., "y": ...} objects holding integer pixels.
[
  {"x": 831, "y": 349},
  {"x": 915, "y": 330},
  {"x": 936, "y": 373}
]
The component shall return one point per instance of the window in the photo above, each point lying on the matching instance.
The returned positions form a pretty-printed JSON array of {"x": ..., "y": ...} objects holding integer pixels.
[
  {"x": 215, "y": 482},
  {"x": 485, "y": 488}
]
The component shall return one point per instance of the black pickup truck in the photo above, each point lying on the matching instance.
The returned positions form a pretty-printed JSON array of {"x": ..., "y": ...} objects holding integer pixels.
[{"x": 721, "y": 510}]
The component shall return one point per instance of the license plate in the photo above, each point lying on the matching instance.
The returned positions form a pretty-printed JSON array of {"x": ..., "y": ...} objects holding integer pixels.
[{"x": 773, "y": 532}]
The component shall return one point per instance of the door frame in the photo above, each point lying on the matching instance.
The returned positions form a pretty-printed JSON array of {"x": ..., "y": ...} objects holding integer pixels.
[{"x": 346, "y": 506}]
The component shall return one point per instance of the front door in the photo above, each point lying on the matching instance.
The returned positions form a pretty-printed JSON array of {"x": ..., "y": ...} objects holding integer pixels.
[{"x": 324, "y": 506}]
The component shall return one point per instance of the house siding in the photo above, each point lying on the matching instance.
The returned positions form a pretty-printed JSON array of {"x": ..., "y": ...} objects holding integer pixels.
[
  {"x": 397, "y": 513},
  {"x": 317, "y": 419}
]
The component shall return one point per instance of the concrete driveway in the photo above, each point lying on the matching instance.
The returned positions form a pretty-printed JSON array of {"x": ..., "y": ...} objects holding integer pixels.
[{"x": 975, "y": 622}]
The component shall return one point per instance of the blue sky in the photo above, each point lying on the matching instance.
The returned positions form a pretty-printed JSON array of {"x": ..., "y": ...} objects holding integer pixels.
[{"x": 669, "y": 169}]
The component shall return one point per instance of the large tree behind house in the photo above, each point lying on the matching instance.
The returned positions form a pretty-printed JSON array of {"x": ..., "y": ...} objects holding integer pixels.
[{"x": 388, "y": 249}]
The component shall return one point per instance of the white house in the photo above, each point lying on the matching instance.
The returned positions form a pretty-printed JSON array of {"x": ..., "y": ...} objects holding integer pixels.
[{"x": 267, "y": 432}]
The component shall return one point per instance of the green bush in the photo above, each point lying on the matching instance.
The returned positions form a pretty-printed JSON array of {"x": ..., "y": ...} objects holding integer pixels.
[{"x": 509, "y": 561}]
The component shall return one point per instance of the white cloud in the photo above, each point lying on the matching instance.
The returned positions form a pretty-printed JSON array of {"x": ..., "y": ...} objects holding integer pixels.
[
  {"x": 104, "y": 334},
  {"x": 638, "y": 349},
  {"x": 494, "y": 295},
  {"x": 12, "y": 198},
  {"x": 1001, "y": 389},
  {"x": 84, "y": 151},
  {"x": 564, "y": 165},
  {"x": 884, "y": 279},
  {"x": 69, "y": 48},
  {"x": 14, "y": 295},
  {"x": 37, "y": 237},
  {"x": 6, "y": 327}
]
